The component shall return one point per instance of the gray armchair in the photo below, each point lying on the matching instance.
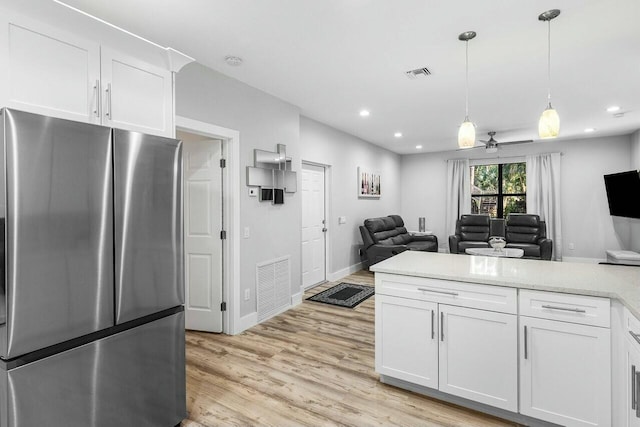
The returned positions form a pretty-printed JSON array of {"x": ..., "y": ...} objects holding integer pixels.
[
  {"x": 527, "y": 232},
  {"x": 387, "y": 236}
]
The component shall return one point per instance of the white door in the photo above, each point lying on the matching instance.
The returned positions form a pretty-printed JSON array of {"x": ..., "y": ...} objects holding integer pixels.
[
  {"x": 136, "y": 96},
  {"x": 479, "y": 356},
  {"x": 565, "y": 372},
  {"x": 51, "y": 73},
  {"x": 313, "y": 225},
  {"x": 407, "y": 339},
  {"x": 202, "y": 243}
]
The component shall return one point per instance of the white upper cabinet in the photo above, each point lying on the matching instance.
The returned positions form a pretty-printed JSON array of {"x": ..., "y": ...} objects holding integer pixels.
[
  {"x": 52, "y": 74},
  {"x": 56, "y": 73},
  {"x": 136, "y": 96}
]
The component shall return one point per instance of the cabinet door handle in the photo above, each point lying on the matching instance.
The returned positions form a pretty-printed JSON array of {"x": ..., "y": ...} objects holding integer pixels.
[
  {"x": 635, "y": 336},
  {"x": 455, "y": 294},
  {"x": 96, "y": 94},
  {"x": 108, "y": 91},
  {"x": 637, "y": 387},
  {"x": 433, "y": 330},
  {"x": 441, "y": 326},
  {"x": 575, "y": 310},
  {"x": 526, "y": 346},
  {"x": 633, "y": 387}
]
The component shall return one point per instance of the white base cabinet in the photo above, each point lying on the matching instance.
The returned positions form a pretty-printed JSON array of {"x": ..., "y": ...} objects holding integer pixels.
[
  {"x": 406, "y": 340},
  {"x": 565, "y": 375},
  {"x": 432, "y": 336},
  {"x": 479, "y": 356}
]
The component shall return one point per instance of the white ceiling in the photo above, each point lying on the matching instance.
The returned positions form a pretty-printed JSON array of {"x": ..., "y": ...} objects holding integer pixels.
[{"x": 333, "y": 58}]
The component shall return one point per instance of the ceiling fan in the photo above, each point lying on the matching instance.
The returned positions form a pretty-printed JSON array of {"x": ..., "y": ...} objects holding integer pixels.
[{"x": 491, "y": 145}]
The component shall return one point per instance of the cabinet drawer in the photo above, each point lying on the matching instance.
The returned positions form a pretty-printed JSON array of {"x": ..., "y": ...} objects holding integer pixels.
[
  {"x": 582, "y": 309},
  {"x": 485, "y": 297}
]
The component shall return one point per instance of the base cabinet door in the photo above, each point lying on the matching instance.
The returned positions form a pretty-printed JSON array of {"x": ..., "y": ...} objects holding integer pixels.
[
  {"x": 632, "y": 385},
  {"x": 407, "y": 340},
  {"x": 479, "y": 356},
  {"x": 565, "y": 375}
]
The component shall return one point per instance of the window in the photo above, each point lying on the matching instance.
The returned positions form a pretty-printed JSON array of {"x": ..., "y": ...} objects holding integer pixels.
[{"x": 499, "y": 190}]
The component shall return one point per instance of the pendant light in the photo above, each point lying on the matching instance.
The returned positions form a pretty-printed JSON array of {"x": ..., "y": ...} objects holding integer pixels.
[
  {"x": 467, "y": 131},
  {"x": 549, "y": 124}
]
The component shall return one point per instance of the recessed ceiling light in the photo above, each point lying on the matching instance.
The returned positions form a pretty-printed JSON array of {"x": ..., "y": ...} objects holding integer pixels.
[
  {"x": 233, "y": 60},
  {"x": 418, "y": 147},
  {"x": 613, "y": 109},
  {"x": 588, "y": 130},
  {"x": 398, "y": 134},
  {"x": 364, "y": 113}
]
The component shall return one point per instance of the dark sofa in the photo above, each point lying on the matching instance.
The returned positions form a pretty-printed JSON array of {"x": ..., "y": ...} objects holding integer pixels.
[
  {"x": 387, "y": 236},
  {"x": 474, "y": 231},
  {"x": 527, "y": 232}
]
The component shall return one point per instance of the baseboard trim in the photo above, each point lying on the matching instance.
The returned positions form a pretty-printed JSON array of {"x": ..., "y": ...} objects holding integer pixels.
[
  {"x": 583, "y": 260},
  {"x": 337, "y": 275},
  {"x": 296, "y": 299},
  {"x": 246, "y": 322}
]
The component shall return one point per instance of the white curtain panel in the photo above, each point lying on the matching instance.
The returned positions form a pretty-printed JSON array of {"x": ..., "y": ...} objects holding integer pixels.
[
  {"x": 543, "y": 195},
  {"x": 458, "y": 193}
]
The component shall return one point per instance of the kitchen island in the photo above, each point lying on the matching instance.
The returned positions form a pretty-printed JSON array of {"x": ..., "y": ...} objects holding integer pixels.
[{"x": 526, "y": 340}]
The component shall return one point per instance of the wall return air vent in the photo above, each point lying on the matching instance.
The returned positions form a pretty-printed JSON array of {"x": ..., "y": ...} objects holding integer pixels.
[{"x": 418, "y": 72}]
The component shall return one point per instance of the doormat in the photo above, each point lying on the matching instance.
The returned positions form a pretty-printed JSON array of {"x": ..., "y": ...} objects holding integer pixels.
[{"x": 344, "y": 295}]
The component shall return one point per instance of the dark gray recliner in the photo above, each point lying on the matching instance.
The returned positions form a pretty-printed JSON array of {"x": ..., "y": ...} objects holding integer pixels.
[
  {"x": 387, "y": 236},
  {"x": 473, "y": 231},
  {"x": 527, "y": 232}
]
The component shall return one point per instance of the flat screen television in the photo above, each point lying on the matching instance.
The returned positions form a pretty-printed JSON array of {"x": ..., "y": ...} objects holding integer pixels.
[{"x": 623, "y": 194}]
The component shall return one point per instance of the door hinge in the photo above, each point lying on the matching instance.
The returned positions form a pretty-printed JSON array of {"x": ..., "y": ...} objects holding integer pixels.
[
  {"x": 223, "y": 306},
  {"x": 223, "y": 235},
  {"x": 223, "y": 163}
]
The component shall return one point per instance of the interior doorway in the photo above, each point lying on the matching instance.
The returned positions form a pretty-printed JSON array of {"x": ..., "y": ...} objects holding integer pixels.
[
  {"x": 314, "y": 227},
  {"x": 232, "y": 322},
  {"x": 203, "y": 210}
]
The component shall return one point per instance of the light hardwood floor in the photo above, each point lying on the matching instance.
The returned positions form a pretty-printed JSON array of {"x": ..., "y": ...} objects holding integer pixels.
[{"x": 310, "y": 366}]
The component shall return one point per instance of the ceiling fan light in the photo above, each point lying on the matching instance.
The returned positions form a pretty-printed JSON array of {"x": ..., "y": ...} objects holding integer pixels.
[
  {"x": 549, "y": 124},
  {"x": 467, "y": 134},
  {"x": 491, "y": 149}
]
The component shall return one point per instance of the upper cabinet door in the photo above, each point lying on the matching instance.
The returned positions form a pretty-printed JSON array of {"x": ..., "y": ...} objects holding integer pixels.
[
  {"x": 136, "y": 96},
  {"x": 51, "y": 73}
]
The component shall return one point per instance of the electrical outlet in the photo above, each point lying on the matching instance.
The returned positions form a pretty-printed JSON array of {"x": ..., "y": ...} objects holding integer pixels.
[
  {"x": 342, "y": 220},
  {"x": 253, "y": 192},
  {"x": 246, "y": 233},
  {"x": 572, "y": 246},
  {"x": 247, "y": 294}
]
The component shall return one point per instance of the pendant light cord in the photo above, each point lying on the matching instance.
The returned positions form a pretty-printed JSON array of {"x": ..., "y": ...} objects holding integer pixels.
[
  {"x": 549, "y": 63},
  {"x": 466, "y": 102}
]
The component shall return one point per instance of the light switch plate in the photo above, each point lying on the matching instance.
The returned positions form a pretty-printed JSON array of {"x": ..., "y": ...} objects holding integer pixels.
[{"x": 342, "y": 220}]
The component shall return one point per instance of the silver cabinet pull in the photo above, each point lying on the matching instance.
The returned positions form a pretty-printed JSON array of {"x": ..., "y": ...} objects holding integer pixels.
[
  {"x": 96, "y": 94},
  {"x": 635, "y": 336},
  {"x": 455, "y": 294},
  {"x": 108, "y": 91},
  {"x": 637, "y": 387},
  {"x": 433, "y": 330},
  {"x": 633, "y": 387},
  {"x": 441, "y": 326},
  {"x": 526, "y": 347},
  {"x": 574, "y": 310}
]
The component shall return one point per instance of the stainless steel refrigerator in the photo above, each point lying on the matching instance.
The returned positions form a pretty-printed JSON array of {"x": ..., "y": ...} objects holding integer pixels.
[{"x": 91, "y": 292}]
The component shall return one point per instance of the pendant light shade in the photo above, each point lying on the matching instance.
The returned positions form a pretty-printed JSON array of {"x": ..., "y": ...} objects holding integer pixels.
[
  {"x": 467, "y": 134},
  {"x": 467, "y": 131},
  {"x": 549, "y": 124}
]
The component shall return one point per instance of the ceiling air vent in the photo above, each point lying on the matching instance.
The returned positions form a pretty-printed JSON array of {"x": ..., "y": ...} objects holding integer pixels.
[{"x": 418, "y": 72}]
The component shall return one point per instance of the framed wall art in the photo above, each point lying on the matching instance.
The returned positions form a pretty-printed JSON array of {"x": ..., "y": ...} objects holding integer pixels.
[{"x": 368, "y": 183}]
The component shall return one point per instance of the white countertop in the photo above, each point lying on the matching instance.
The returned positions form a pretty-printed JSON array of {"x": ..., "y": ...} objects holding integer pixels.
[{"x": 610, "y": 281}]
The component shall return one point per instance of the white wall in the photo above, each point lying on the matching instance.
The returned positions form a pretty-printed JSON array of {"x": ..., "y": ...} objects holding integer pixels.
[
  {"x": 585, "y": 213},
  {"x": 344, "y": 153},
  {"x": 263, "y": 121}
]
